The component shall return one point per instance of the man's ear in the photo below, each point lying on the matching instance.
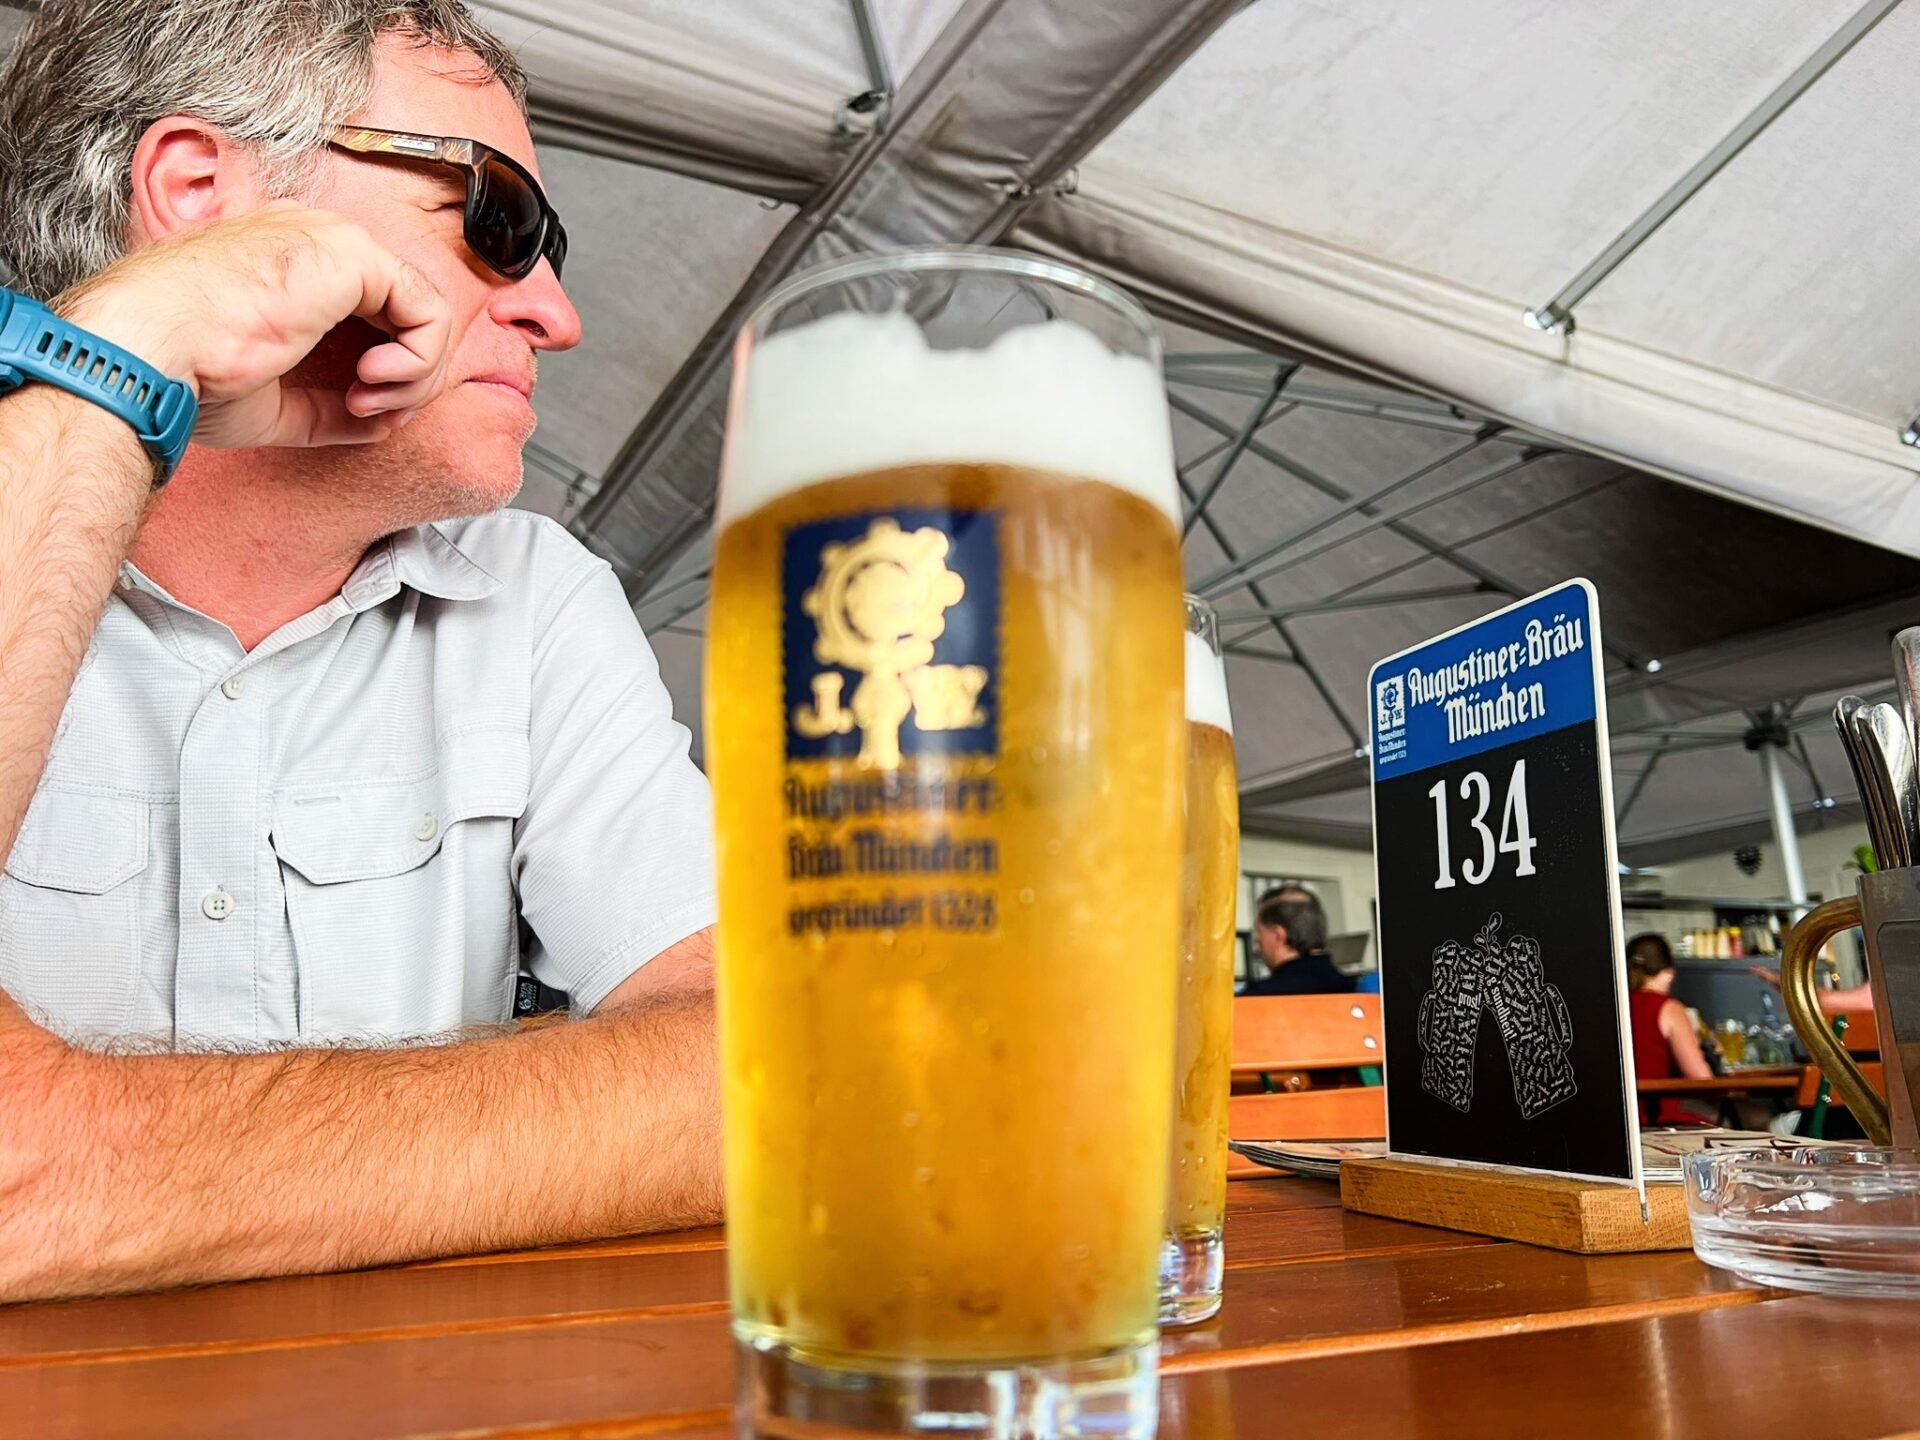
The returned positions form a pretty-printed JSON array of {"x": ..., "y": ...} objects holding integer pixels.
[{"x": 187, "y": 173}]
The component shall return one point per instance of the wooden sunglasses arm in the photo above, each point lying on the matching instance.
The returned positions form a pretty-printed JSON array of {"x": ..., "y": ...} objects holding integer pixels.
[{"x": 404, "y": 144}]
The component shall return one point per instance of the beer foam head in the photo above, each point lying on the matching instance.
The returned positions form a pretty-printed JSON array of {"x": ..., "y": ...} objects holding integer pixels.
[
  {"x": 856, "y": 392},
  {"x": 1207, "y": 686}
]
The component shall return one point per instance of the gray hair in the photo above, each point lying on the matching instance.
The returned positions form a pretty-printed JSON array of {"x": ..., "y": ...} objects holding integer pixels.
[
  {"x": 87, "y": 77},
  {"x": 1297, "y": 910}
]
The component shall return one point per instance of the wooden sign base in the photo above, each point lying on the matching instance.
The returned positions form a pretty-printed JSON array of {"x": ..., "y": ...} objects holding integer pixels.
[{"x": 1578, "y": 1215}]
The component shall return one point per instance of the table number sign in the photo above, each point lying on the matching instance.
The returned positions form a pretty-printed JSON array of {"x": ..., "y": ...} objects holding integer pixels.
[{"x": 1503, "y": 993}]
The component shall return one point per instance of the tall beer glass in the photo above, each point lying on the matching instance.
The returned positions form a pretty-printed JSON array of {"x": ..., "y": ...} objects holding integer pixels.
[
  {"x": 944, "y": 729},
  {"x": 1193, "y": 1260}
]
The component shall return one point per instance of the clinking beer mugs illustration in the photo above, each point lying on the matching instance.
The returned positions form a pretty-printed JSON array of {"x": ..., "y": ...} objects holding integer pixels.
[{"x": 1531, "y": 1014}]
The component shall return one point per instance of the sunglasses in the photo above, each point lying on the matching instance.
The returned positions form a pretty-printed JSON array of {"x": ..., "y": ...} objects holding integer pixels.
[{"x": 508, "y": 222}]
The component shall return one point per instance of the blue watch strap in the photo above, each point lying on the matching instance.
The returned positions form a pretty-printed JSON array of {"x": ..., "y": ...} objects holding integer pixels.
[{"x": 36, "y": 344}]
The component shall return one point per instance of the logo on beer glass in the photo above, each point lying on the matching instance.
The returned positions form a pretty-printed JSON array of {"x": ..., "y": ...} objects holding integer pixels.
[{"x": 891, "y": 632}]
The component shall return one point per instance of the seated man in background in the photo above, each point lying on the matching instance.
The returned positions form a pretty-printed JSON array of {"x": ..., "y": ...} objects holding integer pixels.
[
  {"x": 1291, "y": 931},
  {"x": 299, "y": 765}
]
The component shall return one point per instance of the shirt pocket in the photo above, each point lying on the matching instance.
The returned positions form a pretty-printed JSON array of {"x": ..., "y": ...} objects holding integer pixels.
[
  {"x": 69, "y": 926},
  {"x": 400, "y": 900}
]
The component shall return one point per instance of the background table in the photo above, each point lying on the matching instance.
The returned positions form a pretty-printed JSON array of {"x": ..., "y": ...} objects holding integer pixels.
[
  {"x": 1335, "y": 1325},
  {"x": 1771, "y": 1079}
]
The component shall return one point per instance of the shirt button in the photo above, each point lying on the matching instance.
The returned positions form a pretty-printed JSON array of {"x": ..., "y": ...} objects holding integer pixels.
[
  {"x": 217, "y": 906},
  {"x": 427, "y": 828},
  {"x": 234, "y": 686}
]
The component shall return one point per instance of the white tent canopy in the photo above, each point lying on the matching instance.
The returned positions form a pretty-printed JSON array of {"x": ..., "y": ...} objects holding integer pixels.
[{"x": 1396, "y": 186}]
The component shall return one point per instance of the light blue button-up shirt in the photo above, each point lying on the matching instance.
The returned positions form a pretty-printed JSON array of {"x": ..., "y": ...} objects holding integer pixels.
[{"x": 361, "y": 829}]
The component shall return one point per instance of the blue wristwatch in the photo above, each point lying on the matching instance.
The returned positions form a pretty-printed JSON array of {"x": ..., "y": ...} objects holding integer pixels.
[{"x": 36, "y": 344}]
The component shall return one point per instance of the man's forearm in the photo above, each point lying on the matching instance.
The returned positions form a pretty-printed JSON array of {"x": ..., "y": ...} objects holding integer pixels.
[
  {"x": 73, "y": 484},
  {"x": 182, "y": 1168}
]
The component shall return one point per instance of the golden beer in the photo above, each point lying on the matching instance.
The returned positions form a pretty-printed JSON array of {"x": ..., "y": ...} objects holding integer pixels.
[
  {"x": 1193, "y": 1262},
  {"x": 943, "y": 731}
]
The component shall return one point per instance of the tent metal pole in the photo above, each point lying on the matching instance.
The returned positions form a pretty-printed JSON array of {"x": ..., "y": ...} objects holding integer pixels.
[
  {"x": 1718, "y": 737},
  {"x": 1319, "y": 683},
  {"x": 1203, "y": 457},
  {"x": 681, "y": 611},
  {"x": 1396, "y": 525},
  {"x": 1208, "y": 373},
  {"x": 557, "y": 129},
  {"x": 1771, "y": 738},
  {"x": 655, "y": 596},
  {"x": 1362, "y": 602},
  {"x": 1784, "y": 835},
  {"x": 1256, "y": 422},
  {"x": 1556, "y": 316},
  {"x": 1317, "y": 481},
  {"x": 1249, "y": 652},
  {"x": 878, "y": 97},
  {"x": 1473, "y": 482},
  {"x": 1226, "y": 549},
  {"x": 1434, "y": 549},
  {"x": 1224, "y": 577},
  {"x": 1640, "y": 783},
  {"x": 1341, "y": 405},
  {"x": 960, "y": 160},
  {"x": 1295, "y": 656},
  {"x": 1333, "y": 403},
  {"x": 1806, "y": 758}
]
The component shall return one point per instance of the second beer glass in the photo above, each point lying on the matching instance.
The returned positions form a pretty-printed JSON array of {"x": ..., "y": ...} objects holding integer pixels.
[
  {"x": 945, "y": 733},
  {"x": 1193, "y": 1263}
]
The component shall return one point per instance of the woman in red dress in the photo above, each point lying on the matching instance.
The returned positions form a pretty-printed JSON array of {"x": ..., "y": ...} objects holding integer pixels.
[{"x": 1664, "y": 1042}]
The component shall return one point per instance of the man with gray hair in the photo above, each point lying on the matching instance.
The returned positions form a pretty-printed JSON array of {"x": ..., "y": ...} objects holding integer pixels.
[
  {"x": 1290, "y": 930},
  {"x": 296, "y": 763}
]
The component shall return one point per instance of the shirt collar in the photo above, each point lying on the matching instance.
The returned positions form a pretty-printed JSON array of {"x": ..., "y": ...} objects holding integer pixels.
[{"x": 423, "y": 558}]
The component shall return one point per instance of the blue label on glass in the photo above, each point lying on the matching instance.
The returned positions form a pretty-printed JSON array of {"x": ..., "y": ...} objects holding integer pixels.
[
  {"x": 891, "y": 636},
  {"x": 1518, "y": 673}
]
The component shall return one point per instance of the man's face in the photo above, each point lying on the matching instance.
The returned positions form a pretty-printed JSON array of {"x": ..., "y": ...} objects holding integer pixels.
[
  {"x": 1272, "y": 940},
  {"x": 461, "y": 455}
]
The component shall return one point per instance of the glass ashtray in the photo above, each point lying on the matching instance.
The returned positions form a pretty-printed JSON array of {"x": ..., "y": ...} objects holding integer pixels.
[{"x": 1838, "y": 1221}]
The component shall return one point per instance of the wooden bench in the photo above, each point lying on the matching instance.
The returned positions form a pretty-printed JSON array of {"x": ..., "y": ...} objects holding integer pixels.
[
  {"x": 1279, "y": 1041},
  {"x": 1274, "y": 1034}
]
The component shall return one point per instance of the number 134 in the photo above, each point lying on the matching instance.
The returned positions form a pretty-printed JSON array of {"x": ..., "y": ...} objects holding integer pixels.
[{"x": 1516, "y": 831}]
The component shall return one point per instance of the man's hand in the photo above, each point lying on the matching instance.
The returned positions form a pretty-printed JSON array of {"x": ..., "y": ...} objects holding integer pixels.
[{"x": 231, "y": 307}]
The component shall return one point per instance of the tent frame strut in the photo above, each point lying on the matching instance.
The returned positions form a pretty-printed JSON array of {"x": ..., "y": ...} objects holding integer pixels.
[
  {"x": 917, "y": 179},
  {"x": 1226, "y": 548},
  {"x": 1295, "y": 656},
  {"x": 1262, "y": 416},
  {"x": 877, "y": 99},
  {"x": 1413, "y": 412},
  {"x": 683, "y": 394},
  {"x": 1556, "y": 316},
  {"x": 1226, "y": 577},
  {"x": 1640, "y": 782},
  {"x": 1332, "y": 489},
  {"x": 1361, "y": 602}
]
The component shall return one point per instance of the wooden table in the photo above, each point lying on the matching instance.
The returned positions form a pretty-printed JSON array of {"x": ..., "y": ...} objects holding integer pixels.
[
  {"x": 1335, "y": 1325},
  {"x": 1771, "y": 1080}
]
